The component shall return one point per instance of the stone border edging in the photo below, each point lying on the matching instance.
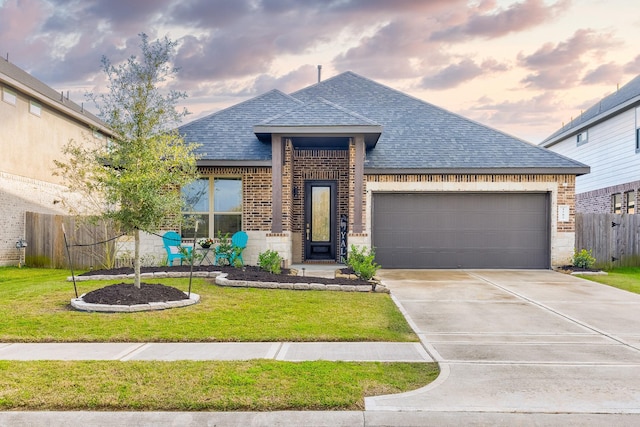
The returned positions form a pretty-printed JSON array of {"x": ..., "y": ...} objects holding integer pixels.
[
  {"x": 80, "y": 304},
  {"x": 221, "y": 280}
]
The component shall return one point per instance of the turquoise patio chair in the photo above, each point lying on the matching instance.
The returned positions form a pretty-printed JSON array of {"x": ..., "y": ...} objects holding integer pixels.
[
  {"x": 172, "y": 242},
  {"x": 238, "y": 243}
]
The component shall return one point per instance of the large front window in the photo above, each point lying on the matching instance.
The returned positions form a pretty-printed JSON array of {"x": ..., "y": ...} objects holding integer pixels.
[{"x": 217, "y": 205}]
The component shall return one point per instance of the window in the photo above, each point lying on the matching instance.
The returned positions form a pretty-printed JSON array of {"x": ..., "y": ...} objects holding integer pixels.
[
  {"x": 35, "y": 108},
  {"x": 581, "y": 138},
  {"x": 638, "y": 130},
  {"x": 9, "y": 96},
  {"x": 616, "y": 203},
  {"x": 630, "y": 196},
  {"x": 217, "y": 205}
]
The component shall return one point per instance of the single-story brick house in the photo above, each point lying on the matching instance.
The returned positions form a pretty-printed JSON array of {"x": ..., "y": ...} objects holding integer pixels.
[{"x": 350, "y": 161}]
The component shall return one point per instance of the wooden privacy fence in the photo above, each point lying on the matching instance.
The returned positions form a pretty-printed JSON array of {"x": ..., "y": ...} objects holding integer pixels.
[
  {"x": 614, "y": 239},
  {"x": 45, "y": 242}
]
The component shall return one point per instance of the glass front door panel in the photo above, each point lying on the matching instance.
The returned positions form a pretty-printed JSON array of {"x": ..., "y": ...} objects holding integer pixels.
[{"x": 321, "y": 214}]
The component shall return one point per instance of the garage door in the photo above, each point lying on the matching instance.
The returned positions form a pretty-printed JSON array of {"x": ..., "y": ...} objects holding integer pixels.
[{"x": 461, "y": 230}]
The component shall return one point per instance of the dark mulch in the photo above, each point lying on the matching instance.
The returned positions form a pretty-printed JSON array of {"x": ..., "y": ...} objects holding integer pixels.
[
  {"x": 573, "y": 269},
  {"x": 251, "y": 273},
  {"x": 127, "y": 294}
]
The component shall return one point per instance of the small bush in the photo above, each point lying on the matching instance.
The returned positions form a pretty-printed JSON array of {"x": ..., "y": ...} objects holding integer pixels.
[
  {"x": 270, "y": 261},
  {"x": 583, "y": 259},
  {"x": 362, "y": 262},
  {"x": 224, "y": 247}
]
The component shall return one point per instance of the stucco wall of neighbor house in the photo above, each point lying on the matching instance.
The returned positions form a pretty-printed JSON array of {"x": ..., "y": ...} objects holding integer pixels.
[
  {"x": 36, "y": 141},
  {"x": 561, "y": 188},
  {"x": 18, "y": 195}
]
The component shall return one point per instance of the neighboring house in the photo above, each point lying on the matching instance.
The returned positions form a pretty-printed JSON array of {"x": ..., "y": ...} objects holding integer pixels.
[
  {"x": 350, "y": 161},
  {"x": 607, "y": 138},
  {"x": 36, "y": 121}
]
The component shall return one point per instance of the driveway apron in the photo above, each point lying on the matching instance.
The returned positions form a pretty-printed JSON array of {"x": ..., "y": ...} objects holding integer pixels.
[{"x": 533, "y": 341}]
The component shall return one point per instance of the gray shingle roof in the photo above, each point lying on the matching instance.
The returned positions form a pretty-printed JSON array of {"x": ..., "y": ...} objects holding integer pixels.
[
  {"x": 626, "y": 97},
  {"x": 228, "y": 134},
  {"x": 416, "y": 135}
]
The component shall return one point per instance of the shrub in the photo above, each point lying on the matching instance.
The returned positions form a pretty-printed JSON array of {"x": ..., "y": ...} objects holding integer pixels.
[
  {"x": 270, "y": 261},
  {"x": 362, "y": 262},
  {"x": 583, "y": 259},
  {"x": 224, "y": 247}
]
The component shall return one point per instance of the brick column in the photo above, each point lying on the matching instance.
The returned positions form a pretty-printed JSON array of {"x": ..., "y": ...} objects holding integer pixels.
[
  {"x": 276, "y": 183},
  {"x": 356, "y": 183}
]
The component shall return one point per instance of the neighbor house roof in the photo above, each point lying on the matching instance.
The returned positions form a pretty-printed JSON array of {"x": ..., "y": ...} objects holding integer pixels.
[
  {"x": 414, "y": 136},
  {"x": 628, "y": 96},
  {"x": 15, "y": 77}
]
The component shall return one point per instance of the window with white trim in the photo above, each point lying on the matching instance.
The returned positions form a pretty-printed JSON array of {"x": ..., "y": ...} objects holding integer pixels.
[
  {"x": 216, "y": 203},
  {"x": 35, "y": 108},
  {"x": 616, "y": 203},
  {"x": 582, "y": 138},
  {"x": 630, "y": 197},
  {"x": 637, "y": 129},
  {"x": 9, "y": 96}
]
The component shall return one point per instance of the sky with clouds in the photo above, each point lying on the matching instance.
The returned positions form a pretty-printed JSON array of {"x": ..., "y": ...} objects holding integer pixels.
[{"x": 521, "y": 66}]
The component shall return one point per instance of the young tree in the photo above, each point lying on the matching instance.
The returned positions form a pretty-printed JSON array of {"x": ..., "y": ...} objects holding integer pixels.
[{"x": 137, "y": 174}]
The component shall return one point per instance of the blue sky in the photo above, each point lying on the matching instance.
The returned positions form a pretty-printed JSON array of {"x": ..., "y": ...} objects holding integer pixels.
[{"x": 523, "y": 66}]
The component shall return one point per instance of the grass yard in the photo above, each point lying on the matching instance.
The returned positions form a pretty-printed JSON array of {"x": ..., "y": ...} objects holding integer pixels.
[
  {"x": 626, "y": 278},
  {"x": 34, "y": 307},
  {"x": 203, "y": 386}
]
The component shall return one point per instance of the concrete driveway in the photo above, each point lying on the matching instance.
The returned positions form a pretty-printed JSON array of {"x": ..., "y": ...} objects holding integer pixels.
[{"x": 520, "y": 342}]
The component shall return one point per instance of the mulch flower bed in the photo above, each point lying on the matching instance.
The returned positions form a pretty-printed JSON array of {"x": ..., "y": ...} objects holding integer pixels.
[{"x": 127, "y": 294}]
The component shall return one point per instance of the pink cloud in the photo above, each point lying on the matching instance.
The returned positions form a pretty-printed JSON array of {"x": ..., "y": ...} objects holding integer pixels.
[
  {"x": 515, "y": 18},
  {"x": 605, "y": 73},
  {"x": 456, "y": 74},
  {"x": 561, "y": 65}
]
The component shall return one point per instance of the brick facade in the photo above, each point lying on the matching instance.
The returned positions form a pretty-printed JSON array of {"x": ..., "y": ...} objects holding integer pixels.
[
  {"x": 17, "y": 196},
  {"x": 600, "y": 201},
  {"x": 316, "y": 165}
]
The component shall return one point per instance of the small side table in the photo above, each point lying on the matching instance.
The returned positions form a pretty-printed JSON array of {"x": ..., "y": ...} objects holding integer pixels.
[{"x": 205, "y": 254}]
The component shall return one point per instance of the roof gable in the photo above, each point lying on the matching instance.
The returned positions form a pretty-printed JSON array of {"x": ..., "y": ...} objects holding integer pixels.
[{"x": 319, "y": 112}]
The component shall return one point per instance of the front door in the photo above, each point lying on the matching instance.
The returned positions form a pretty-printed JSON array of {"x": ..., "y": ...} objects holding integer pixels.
[{"x": 320, "y": 220}]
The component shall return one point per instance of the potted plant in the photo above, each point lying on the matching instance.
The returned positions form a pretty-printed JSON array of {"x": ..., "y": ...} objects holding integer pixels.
[{"x": 205, "y": 243}]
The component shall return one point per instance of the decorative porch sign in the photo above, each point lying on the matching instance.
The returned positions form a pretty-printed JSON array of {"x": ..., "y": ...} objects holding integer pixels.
[{"x": 343, "y": 237}]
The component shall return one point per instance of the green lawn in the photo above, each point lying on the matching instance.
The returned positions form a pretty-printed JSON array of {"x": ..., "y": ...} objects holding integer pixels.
[
  {"x": 260, "y": 385},
  {"x": 627, "y": 278},
  {"x": 34, "y": 307}
]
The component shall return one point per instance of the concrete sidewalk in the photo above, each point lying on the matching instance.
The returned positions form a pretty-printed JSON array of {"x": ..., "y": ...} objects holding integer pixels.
[{"x": 290, "y": 352}]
